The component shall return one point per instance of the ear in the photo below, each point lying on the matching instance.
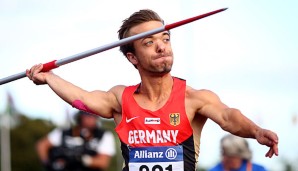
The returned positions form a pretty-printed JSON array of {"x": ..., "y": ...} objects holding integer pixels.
[{"x": 132, "y": 58}]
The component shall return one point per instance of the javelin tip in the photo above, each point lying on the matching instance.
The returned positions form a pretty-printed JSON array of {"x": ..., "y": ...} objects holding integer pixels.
[{"x": 179, "y": 23}]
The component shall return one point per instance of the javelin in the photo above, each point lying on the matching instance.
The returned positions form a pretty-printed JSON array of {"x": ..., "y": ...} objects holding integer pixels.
[{"x": 56, "y": 63}]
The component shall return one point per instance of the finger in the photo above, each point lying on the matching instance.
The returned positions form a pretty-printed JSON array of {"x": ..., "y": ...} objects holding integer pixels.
[
  {"x": 275, "y": 149},
  {"x": 39, "y": 67},
  {"x": 35, "y": 69},
  {"x": 28, "y": 74},
  {"x": 269, "y": 153}
]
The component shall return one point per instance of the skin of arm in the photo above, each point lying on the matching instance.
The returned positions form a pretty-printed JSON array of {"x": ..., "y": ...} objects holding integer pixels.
[
  {"x": 99, "y": 102},
  {"x": 42, "y": 148},
  {"x": 209, "y": 105},
  {"x": 101, "y": 161}
]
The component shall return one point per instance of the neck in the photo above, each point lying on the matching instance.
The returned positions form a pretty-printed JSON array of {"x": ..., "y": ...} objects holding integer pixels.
[{"x": 156, "y": 87}]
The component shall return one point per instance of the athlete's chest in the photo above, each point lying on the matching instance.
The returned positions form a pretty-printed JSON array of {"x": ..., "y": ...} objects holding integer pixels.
[
  {"x": 142, "y": 127},
  {"x": 151, "y": 102}
]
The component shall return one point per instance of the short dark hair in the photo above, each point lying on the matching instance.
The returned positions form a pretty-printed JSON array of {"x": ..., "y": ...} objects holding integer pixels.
[{"x": 136, "y": 18}]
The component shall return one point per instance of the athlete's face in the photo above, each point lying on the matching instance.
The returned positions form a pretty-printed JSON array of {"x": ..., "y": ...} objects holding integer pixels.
[{"x": 153, "y": 54}]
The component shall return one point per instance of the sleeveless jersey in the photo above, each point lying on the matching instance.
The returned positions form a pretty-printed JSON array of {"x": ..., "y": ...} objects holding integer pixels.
[{"x": 157, "y": 140}]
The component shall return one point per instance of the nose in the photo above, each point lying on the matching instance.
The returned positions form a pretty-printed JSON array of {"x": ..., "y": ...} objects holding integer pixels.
[{"x": 160, "y": 46}]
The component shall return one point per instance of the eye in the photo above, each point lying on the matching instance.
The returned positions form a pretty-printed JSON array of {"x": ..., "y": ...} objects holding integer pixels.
[
  {"x": 166, "y": 39},
  {"x": 149, "y": 43}
]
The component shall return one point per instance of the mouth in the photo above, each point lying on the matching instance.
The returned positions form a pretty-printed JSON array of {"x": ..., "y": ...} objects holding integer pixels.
[{"x": 163, "y": 56}]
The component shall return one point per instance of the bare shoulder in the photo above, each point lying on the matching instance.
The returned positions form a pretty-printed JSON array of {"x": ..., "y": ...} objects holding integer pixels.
[
  {"x": 197, "y": 101},
  {"x": 199, "y": 94},
  {"x": 117, "y": 91}
]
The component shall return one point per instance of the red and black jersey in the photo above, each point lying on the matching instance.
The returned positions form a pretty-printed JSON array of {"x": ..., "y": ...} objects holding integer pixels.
[{"x": 145, "y": 134}]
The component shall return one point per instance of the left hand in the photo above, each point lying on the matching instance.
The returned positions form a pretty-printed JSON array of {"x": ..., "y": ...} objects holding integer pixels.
[{"x": 270, "y": 139}]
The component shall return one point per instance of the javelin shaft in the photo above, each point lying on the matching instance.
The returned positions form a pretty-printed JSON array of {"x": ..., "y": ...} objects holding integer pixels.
[
  {"x": 56, "y": 63},
  {"x": 108, "y": 46}
]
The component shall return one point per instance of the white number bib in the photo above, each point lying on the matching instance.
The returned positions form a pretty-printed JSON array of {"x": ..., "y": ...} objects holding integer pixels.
[{"x": 162, "y": 158}]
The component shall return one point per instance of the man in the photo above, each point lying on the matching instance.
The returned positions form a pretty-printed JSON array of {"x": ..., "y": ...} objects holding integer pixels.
[
  {"x": 83, "y": 147},
  {"x": 158, "y": 121},
  {"x": 236, "y": 155}
]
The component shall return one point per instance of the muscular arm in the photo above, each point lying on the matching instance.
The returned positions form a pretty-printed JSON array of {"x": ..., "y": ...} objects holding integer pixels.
[
  {"x": 232, "y": 120},
  {"x": 99, "y": 102}
]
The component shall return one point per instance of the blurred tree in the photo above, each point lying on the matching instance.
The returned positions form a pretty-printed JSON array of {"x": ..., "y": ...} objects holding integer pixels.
[{"x": 23, "y": 139}]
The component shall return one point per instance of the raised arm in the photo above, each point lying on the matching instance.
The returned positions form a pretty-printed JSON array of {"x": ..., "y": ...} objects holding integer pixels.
[
  {"x": 233, "y": 121},
  {"x": 98, "y": 102}
]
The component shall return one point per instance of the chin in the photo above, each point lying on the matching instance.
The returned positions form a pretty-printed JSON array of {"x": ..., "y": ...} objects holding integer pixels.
[
  {"x": 161, "y": 72},
  {"x": 166, "y": 70}
]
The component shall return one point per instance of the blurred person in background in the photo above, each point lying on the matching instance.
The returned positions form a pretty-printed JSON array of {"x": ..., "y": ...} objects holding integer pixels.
[
  {"x": 236, "y": 155},
  {"x": 82, "y": 147}
]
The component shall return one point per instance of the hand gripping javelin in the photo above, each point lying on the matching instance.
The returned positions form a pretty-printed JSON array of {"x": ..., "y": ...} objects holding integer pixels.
[{"x": 56, "y": 63}]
